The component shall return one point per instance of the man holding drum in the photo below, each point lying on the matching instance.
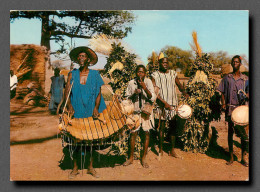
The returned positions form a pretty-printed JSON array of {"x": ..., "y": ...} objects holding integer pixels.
[
  {"x": 229, "y": 87},
  {"x": 141, "y": 91},
  {"x": 85, "y": 99},
  {"x": 167, "y": 80}
]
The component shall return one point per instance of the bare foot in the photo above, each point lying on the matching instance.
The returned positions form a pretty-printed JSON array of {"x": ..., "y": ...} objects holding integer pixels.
[
  {"x": 173, "y": 154},
  {"x": 160, "y": 156},
  {"x": 230, "y": 162},
  {"x": 93, "y": 173},
  {"x": 144, "y": 163},
  {"x": 73, "y": 174},
  {"x": 246, "y": 164},
  {"x": 128, "y": 162}
]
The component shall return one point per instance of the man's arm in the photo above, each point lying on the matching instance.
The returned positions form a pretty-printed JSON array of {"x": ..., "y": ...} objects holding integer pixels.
[
  {"x": 146, "y": 90},
  {"x": 181, "y": 88},
  {"x": 67, "y": 90},
  {"x": 97, "y": 103},
  {"x": 223, "y": 102}
]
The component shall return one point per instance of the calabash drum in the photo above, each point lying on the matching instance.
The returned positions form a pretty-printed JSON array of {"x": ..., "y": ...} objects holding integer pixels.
[
  {"x": 184, "y": 111},
  {"x": 133, "y": 121},
  {"x": 110, "y": 122},
  {"x": 240, "y": 115},
  {"x": 127, "y": 107},
  {"x": 147, "y": 109}
]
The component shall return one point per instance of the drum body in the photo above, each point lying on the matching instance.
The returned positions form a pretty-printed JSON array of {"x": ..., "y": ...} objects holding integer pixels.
[
  {"x": 240, "y": 115},
  {"x": 108, "y": 124},
  {"x": 133, "y": 121},
  {"x": 127, "y": 107},
  {"x": 147, "y": 109},
  {"x": 184, "y": 111}
]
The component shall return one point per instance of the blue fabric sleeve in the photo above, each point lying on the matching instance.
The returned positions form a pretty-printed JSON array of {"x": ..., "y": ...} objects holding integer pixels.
[{"x": 99, "y": 79}]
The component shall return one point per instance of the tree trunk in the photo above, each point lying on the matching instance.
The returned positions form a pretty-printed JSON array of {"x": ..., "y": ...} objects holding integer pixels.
[{"x": 46, "y": 33}]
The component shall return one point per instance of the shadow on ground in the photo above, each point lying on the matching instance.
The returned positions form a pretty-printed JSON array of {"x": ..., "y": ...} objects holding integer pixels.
[
  {"x": 33, "y": 141},
  {"x": 100, "y": 160},
  {"x": 216, "y": 151}
]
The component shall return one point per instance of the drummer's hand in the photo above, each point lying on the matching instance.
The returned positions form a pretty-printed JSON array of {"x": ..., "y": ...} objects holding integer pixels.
[
  {"x": 95, "y": 113},
  {"x": 223, "y": 107},
  {"x": 137, "y": 91},
  {"x": 167, "y": 106}
]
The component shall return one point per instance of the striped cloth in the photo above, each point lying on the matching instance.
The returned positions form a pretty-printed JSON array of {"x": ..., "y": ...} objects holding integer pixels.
[{"x": 166, "y": 83}]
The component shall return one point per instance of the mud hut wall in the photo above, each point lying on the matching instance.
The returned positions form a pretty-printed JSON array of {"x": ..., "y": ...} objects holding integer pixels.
[
  {"x": 48, "y": 74},
  {"x": 36, "y": 59}
]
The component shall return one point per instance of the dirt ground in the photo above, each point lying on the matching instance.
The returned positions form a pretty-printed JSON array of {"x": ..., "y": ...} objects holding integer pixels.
[{"x": 36, "y": 152}]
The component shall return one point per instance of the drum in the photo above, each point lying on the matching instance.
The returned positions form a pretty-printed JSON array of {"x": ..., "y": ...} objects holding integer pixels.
[
  {"x": 240, "y": 115},
  {"x": 127, "y": 107},
  {"x": 133, "y": 121},
  {"x": 184, "y": 111},
  {"x": 147, "y": 109},
  {"x": 110, "y": 122}
]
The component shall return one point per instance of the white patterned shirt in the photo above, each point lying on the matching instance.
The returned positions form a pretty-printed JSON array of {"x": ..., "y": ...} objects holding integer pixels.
[{"x": 167, "y": 85}]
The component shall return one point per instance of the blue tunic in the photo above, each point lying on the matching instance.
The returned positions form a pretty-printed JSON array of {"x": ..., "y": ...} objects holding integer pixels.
[
  {"x": 57, "y": 85},
  {"x": 83, "y": 97}
]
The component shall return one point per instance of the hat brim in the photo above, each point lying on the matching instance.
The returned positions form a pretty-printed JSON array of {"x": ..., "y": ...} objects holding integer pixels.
[{"x": 91, "y": 54}]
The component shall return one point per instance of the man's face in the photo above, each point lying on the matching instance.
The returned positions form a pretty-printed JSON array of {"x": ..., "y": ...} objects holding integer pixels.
[
  {"x": 164, "y": 64},
  {"x": 141, "y": 73},
  {"x": 236, "y": 64},
  {"x": 83, "y": 59}
]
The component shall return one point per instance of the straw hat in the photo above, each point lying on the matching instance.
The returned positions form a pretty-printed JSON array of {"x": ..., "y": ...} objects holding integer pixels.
[{"x": 91, "y": 54}]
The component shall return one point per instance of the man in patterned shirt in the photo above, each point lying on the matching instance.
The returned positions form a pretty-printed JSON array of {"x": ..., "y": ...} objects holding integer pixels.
[{"x": 167, "y": 80}]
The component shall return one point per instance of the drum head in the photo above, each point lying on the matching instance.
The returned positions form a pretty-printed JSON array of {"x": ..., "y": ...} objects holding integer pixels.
[
  {"x": 240, "y": 115},
  {"x": 184, "y": 111}
]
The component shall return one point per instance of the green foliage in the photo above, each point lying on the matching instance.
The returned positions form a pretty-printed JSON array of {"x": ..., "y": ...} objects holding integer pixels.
[
  {"x": 120, "y": 79},
  {"x": 204, "y": 100},
  {"x": 121, "y": 147},
  {"x": 82, "y": 24},
  {"x": 178, "y": 58},
  {"x": 218, "y": 59},
  {"x": 184, "y": 60}
]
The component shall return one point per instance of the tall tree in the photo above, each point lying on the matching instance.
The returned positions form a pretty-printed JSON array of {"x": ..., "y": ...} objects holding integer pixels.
[
  {"x": 84, "y": 24},
  {"x": 218, "y": 59}
]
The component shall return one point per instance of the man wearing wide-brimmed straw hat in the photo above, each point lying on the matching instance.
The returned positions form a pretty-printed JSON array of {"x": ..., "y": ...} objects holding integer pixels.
[
  {"x": 85, "y": 99},
  {"x": 166, "y": 80}
]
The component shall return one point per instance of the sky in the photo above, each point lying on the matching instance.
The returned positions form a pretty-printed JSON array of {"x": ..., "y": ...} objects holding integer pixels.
[{"x": 153, "y": 30}]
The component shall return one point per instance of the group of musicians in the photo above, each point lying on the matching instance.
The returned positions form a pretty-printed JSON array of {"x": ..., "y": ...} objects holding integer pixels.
[{"x": 85, "y": 100}]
